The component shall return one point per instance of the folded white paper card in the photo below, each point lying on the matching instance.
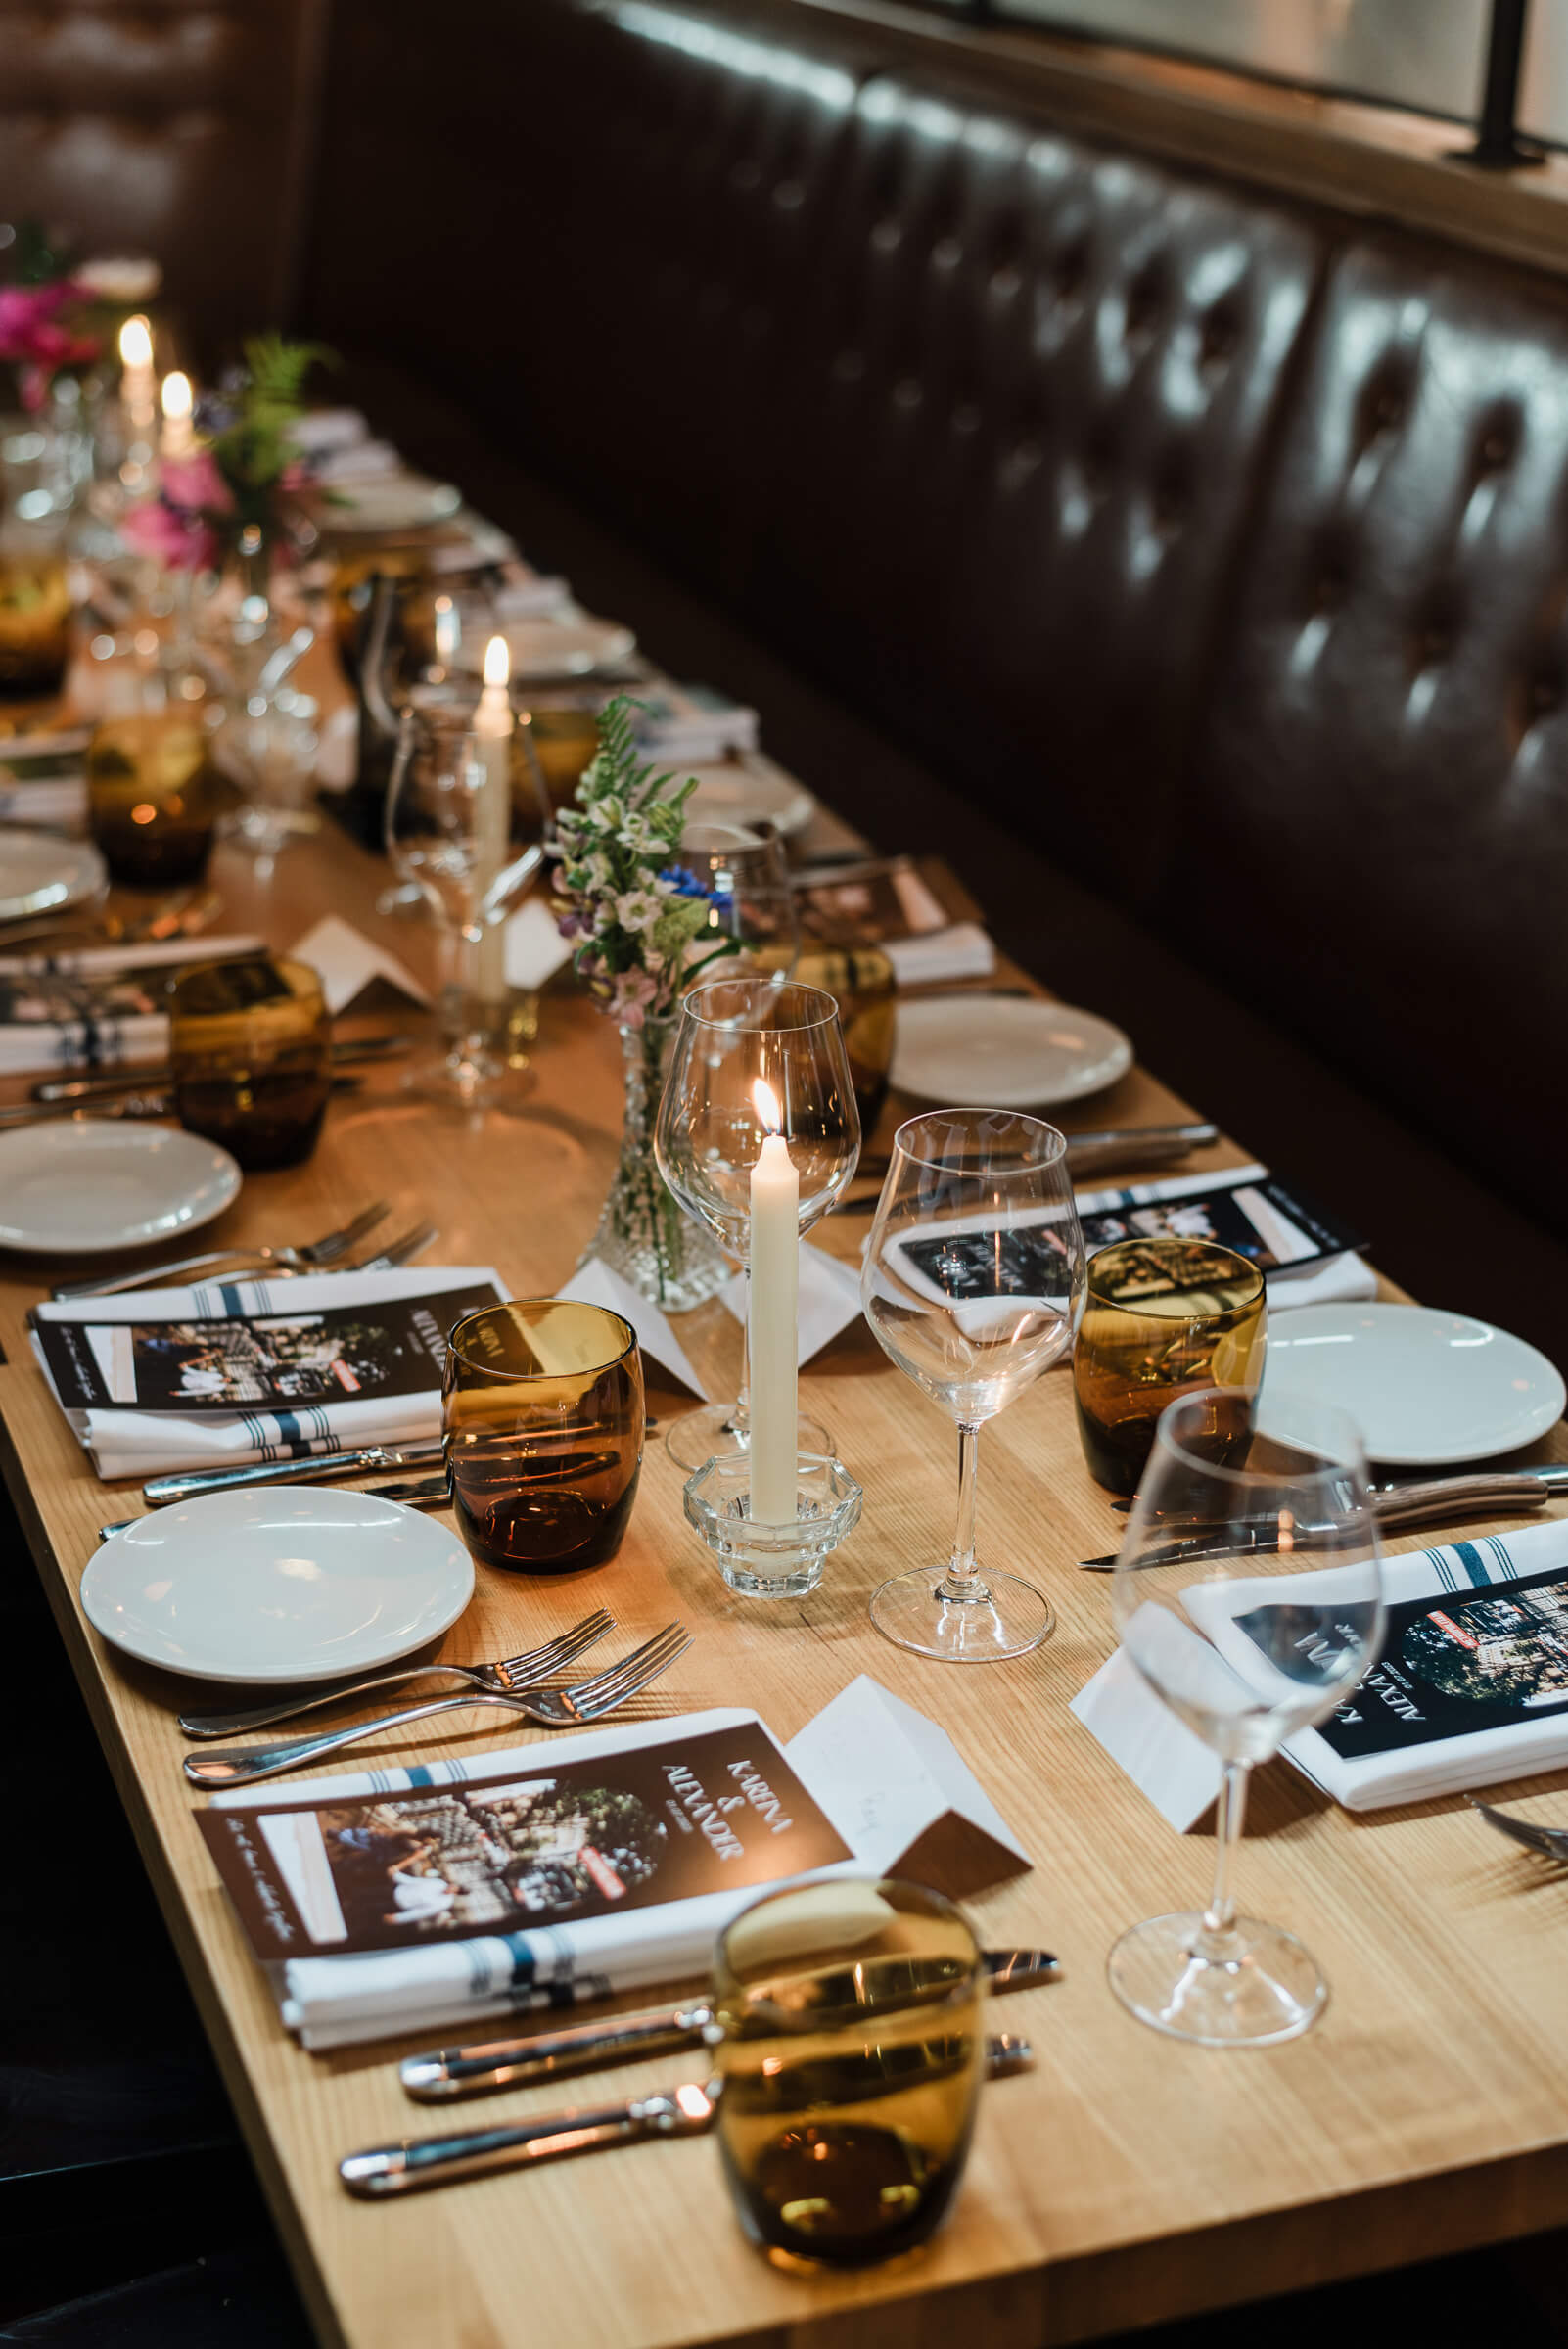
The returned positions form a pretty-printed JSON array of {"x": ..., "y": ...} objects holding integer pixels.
[
  {"x": 535, "y": 947},
  {"x": 598, "y": 1283},
  {"x": 962, "y": 951},
  {"x": 348, "y": 962},
  {"x": 829, "y": 1298}
]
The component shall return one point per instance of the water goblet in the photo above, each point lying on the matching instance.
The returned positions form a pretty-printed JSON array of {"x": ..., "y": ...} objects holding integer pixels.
[
  {"x": 1248, "y": 1594},
  {"x": 751, "y": 905},
  {"x": 974, "y": 1284},
  {"x": 735, "y": 1033}
]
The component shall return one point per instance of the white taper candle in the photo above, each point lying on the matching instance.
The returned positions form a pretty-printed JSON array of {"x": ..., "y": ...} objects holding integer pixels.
[
  {"x": 774, "y": 1314},
  {"x": 492, "y": 725}
]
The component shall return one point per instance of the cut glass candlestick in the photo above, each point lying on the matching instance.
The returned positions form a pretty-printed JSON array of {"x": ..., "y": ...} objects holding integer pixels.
[{"x": 773, "y": 1561}]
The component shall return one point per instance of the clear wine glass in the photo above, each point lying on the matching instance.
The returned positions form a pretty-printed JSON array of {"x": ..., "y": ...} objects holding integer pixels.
[
  {"x": 1248, "y": 1594},
  {"x": 974, "y": 1284},
  {"x": 734, "y": 1033},
  {"x": 751, "y": 905},
  {"x": 472, "y": 874}
]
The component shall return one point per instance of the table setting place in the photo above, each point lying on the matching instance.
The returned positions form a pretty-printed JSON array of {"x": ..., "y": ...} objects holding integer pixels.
[{"x": 341, "y": 1466}]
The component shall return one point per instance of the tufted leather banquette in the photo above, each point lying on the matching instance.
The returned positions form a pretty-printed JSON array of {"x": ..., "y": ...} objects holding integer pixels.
[
  {"x": 1218, "y": 545},
  {"x": 183, "y": 128}
]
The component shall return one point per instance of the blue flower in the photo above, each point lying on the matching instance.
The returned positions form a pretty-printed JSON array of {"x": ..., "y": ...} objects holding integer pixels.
[{"x": 685, "y": 884}]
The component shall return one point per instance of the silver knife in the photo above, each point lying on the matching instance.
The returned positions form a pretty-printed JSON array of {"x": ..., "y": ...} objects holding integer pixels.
[
  {"x": 427, "y": 1493},
  {"x": 121, "y": 1105},
  {"x": 481, "y": 2069},
  {"x": 1393, "y": 1506},
  {"x": 410, "y": 2164},
  {"x": 160, "y": 1491},
  {"x": 129, "y": 1081}
]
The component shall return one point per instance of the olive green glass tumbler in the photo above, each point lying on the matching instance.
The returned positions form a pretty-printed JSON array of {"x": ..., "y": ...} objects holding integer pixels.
[{"x": 1163, "y": 1318}]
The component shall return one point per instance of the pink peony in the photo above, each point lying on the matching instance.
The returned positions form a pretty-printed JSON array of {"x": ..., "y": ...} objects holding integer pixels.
[
  {"x": 196, "y": 483},
  {"x": 631, "y": 997},
  {"x": 171, "y": 535}
]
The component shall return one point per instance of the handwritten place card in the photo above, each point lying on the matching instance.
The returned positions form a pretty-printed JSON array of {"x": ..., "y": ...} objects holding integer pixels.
[{"x": 1178, "y": 1772}]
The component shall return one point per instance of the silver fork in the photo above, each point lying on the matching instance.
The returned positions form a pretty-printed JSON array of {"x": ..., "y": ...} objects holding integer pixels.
[
  {"x": 509, "y": 1674},
  {"x": 312, "y": 1258},
  {"x": 398, "y": 1252},
  {"x": 1554, "y": 1841},
  {"x": 550, "y": 1708}
]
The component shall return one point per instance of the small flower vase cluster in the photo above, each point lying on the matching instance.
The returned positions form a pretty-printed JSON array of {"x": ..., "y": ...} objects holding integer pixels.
[{"x": 635, "y": 916}]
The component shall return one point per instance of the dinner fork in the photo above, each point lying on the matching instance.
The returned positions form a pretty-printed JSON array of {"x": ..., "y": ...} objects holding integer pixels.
[
  {"x": 1554, "y": 1841},
  {"x": 396, "y": 1251},
  {"x": 313, "y": 1257},
  {"x": 508, "y": 1673},
  {"x": 549, "y": 1708}
]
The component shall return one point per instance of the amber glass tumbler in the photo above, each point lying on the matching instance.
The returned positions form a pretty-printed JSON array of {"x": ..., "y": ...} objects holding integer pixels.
[
  {"x": 852, "y": 2056},
  {"x": 152, "y": 796},
  {"x": 251, "y": 1045},
  {"x": 1163, "y": 1318},
  {"x": 34, "y": 623},
  {"x": 543, "y": 1412}
]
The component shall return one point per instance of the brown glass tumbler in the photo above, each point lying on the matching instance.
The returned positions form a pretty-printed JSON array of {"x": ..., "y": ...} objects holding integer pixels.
[
  {"x": 543, "y": 1412},
  {"x": 152, "y": 796},
  {"x": 1163, "y": 1318},
  {"x": 251, "y": 1045}
]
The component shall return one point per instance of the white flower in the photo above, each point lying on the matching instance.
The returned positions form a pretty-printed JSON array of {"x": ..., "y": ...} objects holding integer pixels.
[{"x": 638, "y": 909}]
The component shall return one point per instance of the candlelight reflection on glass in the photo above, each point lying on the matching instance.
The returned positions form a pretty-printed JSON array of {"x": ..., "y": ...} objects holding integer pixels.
[{"x": 713, "y": 1143}]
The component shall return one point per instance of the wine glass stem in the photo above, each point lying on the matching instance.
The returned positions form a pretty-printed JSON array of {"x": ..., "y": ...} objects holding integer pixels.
[
  {"x": 962, "y": 1580},
  {"x": 1217, "y": 1940}
]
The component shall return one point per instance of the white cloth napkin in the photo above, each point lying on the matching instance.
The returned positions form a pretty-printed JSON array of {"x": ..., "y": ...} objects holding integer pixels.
[
  {"x": 364, "y": 461},
  {"x": 1331, "y": 1280},
  {"x": 829, "y": 1297},
  {"x": 348, "y": 962},
  {"x": 130, "y": 1442},
  {"x": 99, "y": 1040},
  {"x": 323, "y": 431},
  {"x": 1181, "y": 1775},
  {"x": 962, "y": 951},
  {"x": 530, "y": 596},
  {"x": 55, "y": 803}
]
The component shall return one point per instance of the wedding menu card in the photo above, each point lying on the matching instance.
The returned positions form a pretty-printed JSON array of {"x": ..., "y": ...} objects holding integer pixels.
[{"x": 1245, "y": 1209}]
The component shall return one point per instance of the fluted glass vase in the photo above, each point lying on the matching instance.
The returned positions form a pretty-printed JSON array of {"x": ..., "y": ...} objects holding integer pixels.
[{"x": 644, "y": 1234}]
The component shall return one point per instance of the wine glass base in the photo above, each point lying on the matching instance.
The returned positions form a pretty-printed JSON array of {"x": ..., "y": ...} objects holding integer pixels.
[
  {"x": 710, "y": 1433},
  {"x": 471, "y": 1086},
  {"x": 1011, "y": 1619},
  {"x": 1267, "y": 1990}
]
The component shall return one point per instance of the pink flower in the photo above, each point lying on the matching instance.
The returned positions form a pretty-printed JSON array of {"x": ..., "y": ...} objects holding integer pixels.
[
  {"x": 32, "y": 339},
  {"x": 631, "y": 997},
  {"x": 178, "y": 540},
  {"x": 196, "y": 483},
  {"x": 22, "y": 311}
]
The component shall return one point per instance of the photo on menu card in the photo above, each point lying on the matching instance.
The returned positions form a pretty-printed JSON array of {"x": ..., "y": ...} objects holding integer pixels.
[{"x": 556, "y": 1845}]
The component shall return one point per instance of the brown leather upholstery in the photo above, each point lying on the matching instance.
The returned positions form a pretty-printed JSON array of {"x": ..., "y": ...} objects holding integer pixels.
[{"x": 183, "y": 128}]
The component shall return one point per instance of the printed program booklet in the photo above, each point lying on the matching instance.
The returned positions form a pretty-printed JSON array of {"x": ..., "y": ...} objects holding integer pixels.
[
  {"x": 280, "y": 1361},
  {"x": 1245, "y": 1209},
  {"x": 571, "y": 1840}
]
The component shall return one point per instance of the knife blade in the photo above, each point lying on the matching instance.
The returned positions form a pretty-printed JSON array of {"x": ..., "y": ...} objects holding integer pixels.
[
  {"x": 483, "y": 2069},
  {"x": 430, "y": 1491},
  {"x": 130, "y": 1080},
  {"x": 120, "y": 1105},
  {"x": 160, "y": 1491},
  {"x": 1393, "y": 1506},
  {"x": 411, "y": 2164}
]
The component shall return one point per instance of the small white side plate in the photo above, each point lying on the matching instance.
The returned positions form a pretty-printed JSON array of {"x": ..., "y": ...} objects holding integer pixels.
[
  {"x": 566, "y": 648},
  {"x": 86, "y": 1188},
  {"x": 300, "y": 1583},
  {"x": 40, "y": 873},
  {"x": 749, "y": 790},
  {"x": 1426, "y": 1388},
  {"x": 1000, "y": 1052}
]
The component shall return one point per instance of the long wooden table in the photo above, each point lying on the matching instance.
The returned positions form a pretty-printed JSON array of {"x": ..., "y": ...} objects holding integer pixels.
[{"x": 1128, "y": 2179}]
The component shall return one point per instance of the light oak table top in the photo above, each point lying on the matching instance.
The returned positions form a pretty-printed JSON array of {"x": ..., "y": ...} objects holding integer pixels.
[{"x": 1126, "y": 2178}]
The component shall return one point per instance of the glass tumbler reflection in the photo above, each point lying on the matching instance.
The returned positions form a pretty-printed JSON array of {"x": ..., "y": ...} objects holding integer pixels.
[
  {"x": 1163, "y": 1318},
  {"x": 543, "y": 1415},
  {"x": 852, "y": 2056}
]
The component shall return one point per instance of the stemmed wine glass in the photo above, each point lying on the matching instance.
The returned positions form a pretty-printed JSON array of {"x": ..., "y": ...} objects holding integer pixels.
[
  {"x": 974, "y": 1283},
  {"x": 1248, "y": 1594},
  {"x": 470, "y": 875},
  {"x": 735, "y": 1033},
  {"x": 751, "y": 905}
]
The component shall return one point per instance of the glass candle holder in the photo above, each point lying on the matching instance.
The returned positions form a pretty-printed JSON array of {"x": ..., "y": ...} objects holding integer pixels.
[
  {"x": 152, "y": 796},
  {"x": 773, "y": 1561},
  {"x": 543, "y": 1415},
  {"x": 1163, "y": 1318},
  {"x": 850, "y": 2053},
  {"x": 251, "y": 1045}
]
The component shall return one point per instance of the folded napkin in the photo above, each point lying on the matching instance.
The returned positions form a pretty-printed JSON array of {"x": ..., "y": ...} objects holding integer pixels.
[
  {"x": 363, "y": 461},
  {"x": 125, "y": 1440},
  {"x": 692, "y": 727},
  {"x": 530, "y": 596},
  {"x": 89, "y": 1010},
  {"x": 57, "y": 802},
  {"x": 323, "y": 432},
  {"x": 1332, "y": 1280},
  {"x": 960, "y": 951},
  {"x": 1470, "y": 1688}
]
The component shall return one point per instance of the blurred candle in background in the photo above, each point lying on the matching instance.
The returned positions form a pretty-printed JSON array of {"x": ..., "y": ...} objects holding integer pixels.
[
  {"x": 773, "y": 1310},
  {"x": 137, "y": 384},
  {"x": 492, "y": 723},
  {"x": 178, "y": 400}
]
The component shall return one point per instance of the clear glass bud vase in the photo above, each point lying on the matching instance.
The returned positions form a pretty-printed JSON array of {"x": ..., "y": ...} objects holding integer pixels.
[{"x": 644, "y": 1234}]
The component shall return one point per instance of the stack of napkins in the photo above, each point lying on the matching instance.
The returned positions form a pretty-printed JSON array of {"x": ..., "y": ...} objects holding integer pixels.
[
  {"x": 234, "y": 1370},
  {"x": 1470, "y": 1686},
  {"x": 43, "y": 780},
  {"x": 679, "y": 726},
  {"x": 99, "y": 1009},
  {"x": 962, "y": 951}
]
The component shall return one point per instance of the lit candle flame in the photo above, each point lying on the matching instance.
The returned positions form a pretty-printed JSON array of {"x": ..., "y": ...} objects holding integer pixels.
[
  {"x": 767, "y": 1100},
  {"x": 497, "y": 662},
  {"x": 136, "y": 344},
  {"x": 177, "y": 396}
]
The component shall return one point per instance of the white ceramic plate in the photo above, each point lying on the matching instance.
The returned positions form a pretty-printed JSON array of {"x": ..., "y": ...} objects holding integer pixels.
[
  {"x": 1426, "y": 1388},
  {"x": 566, "y": 648},
  {"x": 88, "y": 1187},
  {"x": 42, "y": 874},
  {"x": 402, "y": 501},
  {"x": 292, "y": 1583},
  {"x": 1001, "y": 1052},
  {"x": 745, "y": 792}
]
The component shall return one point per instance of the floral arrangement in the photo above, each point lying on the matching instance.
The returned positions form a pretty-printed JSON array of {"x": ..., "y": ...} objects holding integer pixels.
[
  {"x": 620, "y": 892},
  {"x": 52, "y": 320},
  {"x": 244, "y": 473}
]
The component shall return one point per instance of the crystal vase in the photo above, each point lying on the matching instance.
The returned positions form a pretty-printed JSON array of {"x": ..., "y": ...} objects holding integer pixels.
[{"x": 644, "y": 1234}]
